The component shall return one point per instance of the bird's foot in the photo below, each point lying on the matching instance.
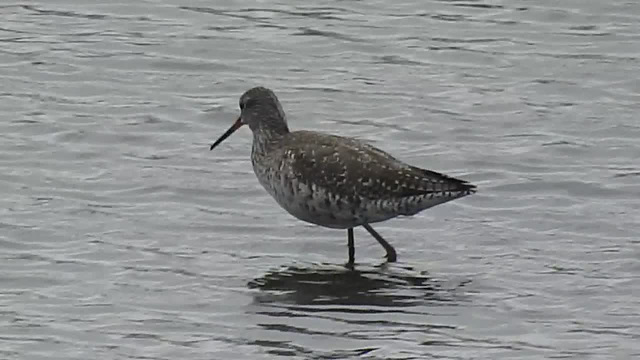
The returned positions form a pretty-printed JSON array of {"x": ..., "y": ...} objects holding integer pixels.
[{"x": 391, "y": 257}]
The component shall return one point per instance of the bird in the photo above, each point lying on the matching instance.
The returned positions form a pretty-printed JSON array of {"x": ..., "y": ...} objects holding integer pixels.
[{"x": 335, "y": 181}]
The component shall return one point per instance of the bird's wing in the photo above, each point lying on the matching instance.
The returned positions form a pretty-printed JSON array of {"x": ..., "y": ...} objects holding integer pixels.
[{"x": 349, "y": 167}]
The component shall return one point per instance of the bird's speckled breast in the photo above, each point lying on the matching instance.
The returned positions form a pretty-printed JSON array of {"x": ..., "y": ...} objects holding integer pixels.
[{"x": 308, "y": 202}]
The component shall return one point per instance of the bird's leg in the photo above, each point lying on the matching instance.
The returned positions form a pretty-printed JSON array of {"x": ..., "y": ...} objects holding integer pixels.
[
  {"x": 391, "y": 252},
  {"x": 352, "y": 249}
]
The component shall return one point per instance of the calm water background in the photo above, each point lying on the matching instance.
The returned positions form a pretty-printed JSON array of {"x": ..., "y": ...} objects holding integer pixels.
[{"x": 123, "y": 237}]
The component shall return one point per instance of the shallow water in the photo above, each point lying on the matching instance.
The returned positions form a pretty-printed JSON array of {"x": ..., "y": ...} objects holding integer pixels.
[{"x": 123, "y": 237}]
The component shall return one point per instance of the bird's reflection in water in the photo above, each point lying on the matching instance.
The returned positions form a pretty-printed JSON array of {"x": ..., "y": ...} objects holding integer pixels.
[
  {"x": 378, "y": 286},
  {"x": 302, "y": 308}
]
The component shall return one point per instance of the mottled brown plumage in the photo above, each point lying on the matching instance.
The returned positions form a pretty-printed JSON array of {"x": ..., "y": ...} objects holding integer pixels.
[
  {"x": 335, "y": 181},
  {"x": 351, "y": 167}
]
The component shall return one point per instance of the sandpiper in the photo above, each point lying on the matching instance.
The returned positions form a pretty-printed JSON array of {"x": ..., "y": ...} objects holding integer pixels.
[{"x": 334, "y": 181}]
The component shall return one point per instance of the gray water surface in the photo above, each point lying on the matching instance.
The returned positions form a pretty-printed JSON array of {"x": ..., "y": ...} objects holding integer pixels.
[{"x": 123, "y": 237}]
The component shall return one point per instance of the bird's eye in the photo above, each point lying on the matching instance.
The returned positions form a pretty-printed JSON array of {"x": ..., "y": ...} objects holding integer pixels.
[{"x": 241, "y": 105}]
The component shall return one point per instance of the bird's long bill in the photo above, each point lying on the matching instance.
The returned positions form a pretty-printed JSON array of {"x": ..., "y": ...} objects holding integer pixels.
[{"x": 233, "y": 128}]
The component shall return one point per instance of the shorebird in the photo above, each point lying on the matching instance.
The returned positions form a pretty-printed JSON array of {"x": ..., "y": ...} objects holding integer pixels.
[{"x": 335, "y": 181}]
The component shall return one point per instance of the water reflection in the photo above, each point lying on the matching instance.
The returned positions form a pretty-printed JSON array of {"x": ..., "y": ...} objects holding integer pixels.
[
  {"x": 390, "y": 285},
  {"x": 356, "y": 311}
]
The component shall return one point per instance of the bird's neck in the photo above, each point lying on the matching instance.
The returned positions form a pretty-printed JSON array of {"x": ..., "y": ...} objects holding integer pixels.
[{"x": 266, "y": 137}]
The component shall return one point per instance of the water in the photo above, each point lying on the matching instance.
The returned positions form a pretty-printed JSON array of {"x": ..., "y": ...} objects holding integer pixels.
[{"x": 123, "y": 237}]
